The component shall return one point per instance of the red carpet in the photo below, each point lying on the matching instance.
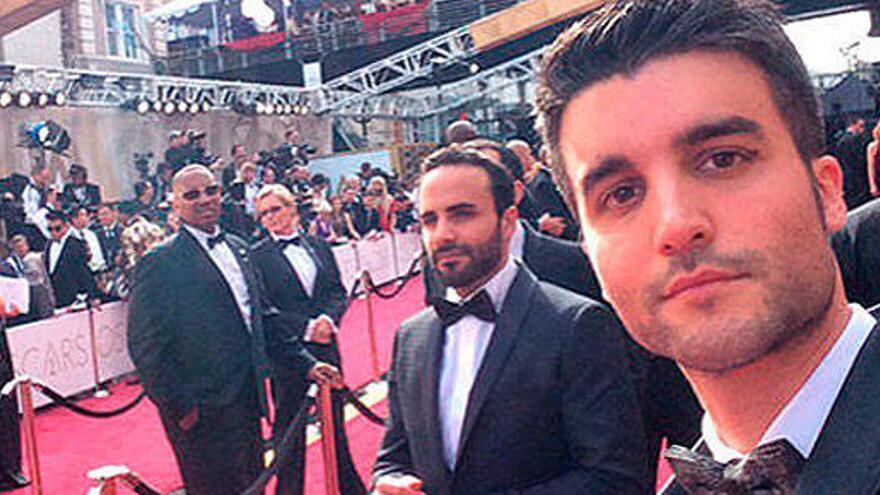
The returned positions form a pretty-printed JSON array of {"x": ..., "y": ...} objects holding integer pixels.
[{"x": 70, "y": 445}]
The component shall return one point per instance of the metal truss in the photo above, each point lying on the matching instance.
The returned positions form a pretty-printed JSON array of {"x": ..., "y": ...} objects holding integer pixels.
[
  {"x": 107, "y": 89},
  {"x": 428, "y": 102},
  {"x": 347, "y": 93}
]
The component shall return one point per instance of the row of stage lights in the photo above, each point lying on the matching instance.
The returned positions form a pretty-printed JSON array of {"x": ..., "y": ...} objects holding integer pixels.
[
  {"x": 25, "y": 99},
  {"x": 145, "y": 106}
]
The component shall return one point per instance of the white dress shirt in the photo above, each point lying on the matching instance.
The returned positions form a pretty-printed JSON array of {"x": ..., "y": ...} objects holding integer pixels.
[
  {"x": 55, "y": 250},
  {"x": 306, "y": 269},
  {"x": 802, "y": 419},
  {"x": 30, "y": 198},
  {"x": 466, "y": 344},
  {"x": 222, "y": 256},
  {"x": 518, "y": 241},
  {"x": 96, "y": 255}
]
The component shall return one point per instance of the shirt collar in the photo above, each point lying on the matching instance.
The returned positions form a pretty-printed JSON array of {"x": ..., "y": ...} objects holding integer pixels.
[
  {"x": 64, "y": 238},
  {"x": 802, "y": 419},
  {"x": 201, "y": 236},
  {"x": 518, "y": 241},
  {"x": 497, "y": 286}
]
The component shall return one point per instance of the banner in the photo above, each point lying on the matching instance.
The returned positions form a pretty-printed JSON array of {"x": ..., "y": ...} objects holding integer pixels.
[
  {"x": 349, "y": 267},
  {"x": 56, "y": 351},
  {"x": 408, "y": 246},
  {"x": 377, "y": 256},
  {"x": 113, "y": 359}
]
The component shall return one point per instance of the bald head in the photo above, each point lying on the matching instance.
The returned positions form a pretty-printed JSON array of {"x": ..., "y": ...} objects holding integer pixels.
[
  {"x": 460, "y": 131},
  {"x": 196, "y": 197},
  {"x": 187, "y": 173}
]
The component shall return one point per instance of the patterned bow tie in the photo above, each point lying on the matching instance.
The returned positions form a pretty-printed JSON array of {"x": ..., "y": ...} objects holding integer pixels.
[
  {"x": 217, "y": 239},
  {"x": 771, "y": 469},
  {"x": 480, "y": 306},
  {"x": 293, "y": 241}
]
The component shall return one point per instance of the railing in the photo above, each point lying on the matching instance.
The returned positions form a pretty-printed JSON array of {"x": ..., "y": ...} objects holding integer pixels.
[{"x": 311, "y": 42}]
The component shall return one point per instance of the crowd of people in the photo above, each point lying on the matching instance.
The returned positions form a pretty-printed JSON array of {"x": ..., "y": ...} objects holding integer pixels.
[{"x": 702, "y": 306}]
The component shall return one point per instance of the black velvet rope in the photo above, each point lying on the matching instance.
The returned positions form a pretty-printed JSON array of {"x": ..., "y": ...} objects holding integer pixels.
[
  {"x": 410, "y": 274},
  {"x": 71, "y": 406},
  {"x": 362, "y": 408}
]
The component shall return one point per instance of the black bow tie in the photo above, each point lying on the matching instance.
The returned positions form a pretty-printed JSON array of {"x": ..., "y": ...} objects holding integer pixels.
[
  {"x": 771, "y": 469},
  {"x": 480, "y": 306},
  {"x": 217, "y": 239},
  {"x": 293, "y": 241}
]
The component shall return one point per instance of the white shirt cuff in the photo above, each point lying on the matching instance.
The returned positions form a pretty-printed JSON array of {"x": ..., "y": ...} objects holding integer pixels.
[{"x": 310, "y": 328}]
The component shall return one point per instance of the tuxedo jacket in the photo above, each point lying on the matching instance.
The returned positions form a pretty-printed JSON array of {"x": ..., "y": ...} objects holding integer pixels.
[
  {"x": 110, "y": 242},
  {"x": 547, "y": 199},
  {"x": 846, "y": 457},
  {"x": 292, "y": 306},
  {"x": 552, "y": 409},
  {"x": 72, "y": 275},
  {"x": 552, "y": 260},
  {"x": 186, "y": 335},
  {"x": 670, "y": 409},
  {"x": 856, "y": 249}
]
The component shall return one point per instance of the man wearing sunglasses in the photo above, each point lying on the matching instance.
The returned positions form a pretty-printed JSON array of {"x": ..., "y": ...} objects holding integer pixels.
[
  {"x": 302, "y": 280},
  {"x": 67, "y": 263},
  {"x": 195, "y": 337}
]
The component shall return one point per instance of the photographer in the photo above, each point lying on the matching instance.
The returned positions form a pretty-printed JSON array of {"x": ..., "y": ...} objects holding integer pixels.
[
  {"x": 177, "y": 155},
  {"x": 78, "y": 191}
]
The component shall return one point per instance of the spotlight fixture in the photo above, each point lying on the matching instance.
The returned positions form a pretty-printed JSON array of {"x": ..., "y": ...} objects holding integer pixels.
[
  {"x": 288, "y": 109},
  {"x": 169, "y": 107},
  {"x": 42, "y": 99},
  {"x": 279, "y": 108},
  {"x": 6, "y": 98},
  {"x": 194, "y": 108},
  {"x": 259, "y": 108},
  {"x": 143, "y": 107},
  {"x": 269, "y": 109},
  {"x": 182, "y": 107},
  {"x": 206, "y": 106},
  {"x": 157, "y": 106},
  {"x": 60, "y": 99},
  {"x": 24, "y": 99}
]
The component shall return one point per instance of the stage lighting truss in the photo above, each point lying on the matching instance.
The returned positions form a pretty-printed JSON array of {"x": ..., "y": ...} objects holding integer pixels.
[
  {"x": 351, "y": 90},
  {"x": 28, "y": 86}
]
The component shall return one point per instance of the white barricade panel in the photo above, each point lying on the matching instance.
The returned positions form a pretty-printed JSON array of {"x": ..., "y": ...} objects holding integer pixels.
[
  {"x": 408, "y": 246},
  {"x": 113, "y": 359},
  {"x": 56, "y": 351},
  {"x": 349, "y": 267},
  {"x": 377, "y": 256}
]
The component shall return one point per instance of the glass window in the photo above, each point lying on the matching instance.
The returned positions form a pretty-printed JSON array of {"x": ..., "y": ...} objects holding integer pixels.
[{"x": 121, "y": 38}]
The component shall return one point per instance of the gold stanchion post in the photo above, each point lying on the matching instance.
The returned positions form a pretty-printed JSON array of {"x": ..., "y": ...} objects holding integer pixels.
[
  {"x": 30, "y": 436},
  {"x": 328, "y": 442},
  {"x": 371, "y": 323}
]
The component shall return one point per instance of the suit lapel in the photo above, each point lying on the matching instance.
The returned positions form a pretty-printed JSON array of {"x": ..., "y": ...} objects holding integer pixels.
[
  {"x": 208, "y": 266},
  {"x": 501, "y": 344},
  {"x": 288, "y": 268},
  {"x": 846, "y": 453},
  {"x": 429, "y": 386}
]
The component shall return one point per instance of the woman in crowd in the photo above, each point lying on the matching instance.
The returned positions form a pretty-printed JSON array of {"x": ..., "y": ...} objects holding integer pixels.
[
  {"x": 382, "y": 204},
  {"x": 873, "y": 159}
]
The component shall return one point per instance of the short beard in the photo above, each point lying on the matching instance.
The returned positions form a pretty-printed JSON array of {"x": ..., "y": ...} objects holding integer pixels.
[{"x": 483, "y": 259}]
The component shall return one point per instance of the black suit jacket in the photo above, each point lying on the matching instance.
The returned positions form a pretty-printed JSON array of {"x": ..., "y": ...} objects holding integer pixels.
[
  {"x": 857, "y": 248},
  {"x": 186, "y": 335},
  {"x": 284, "y": 292},
  {"x": 547, "y": 199},
  {"x": 72, "y": 275},
  {"x": 552, "y": 409},
  {"x": 669, "y": 407},
  {"x": 110, "y": 242},
  {"x": 846, "y": 457}
]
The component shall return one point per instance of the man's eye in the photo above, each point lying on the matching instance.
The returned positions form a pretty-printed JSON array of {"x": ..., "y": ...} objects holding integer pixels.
[
  {"x": 722, "y": 160},
  {"x": 620, "y": 196}
]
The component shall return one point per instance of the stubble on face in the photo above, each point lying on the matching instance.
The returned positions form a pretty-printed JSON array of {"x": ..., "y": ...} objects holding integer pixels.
[{"x": 481, "y": 259}]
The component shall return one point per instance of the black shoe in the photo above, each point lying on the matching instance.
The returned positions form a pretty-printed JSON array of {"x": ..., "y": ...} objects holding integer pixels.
[{"x": 13, "y": 481}]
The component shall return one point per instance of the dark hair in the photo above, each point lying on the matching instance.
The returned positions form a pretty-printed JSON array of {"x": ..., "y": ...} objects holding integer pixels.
[
  {"x": 235, "y": 147},
  {"x": 508, "y": 158},
  {"x": 455, "y": 155},
  {"x": 621, "y": 37},
  {"x": 56, "y": 215}
]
